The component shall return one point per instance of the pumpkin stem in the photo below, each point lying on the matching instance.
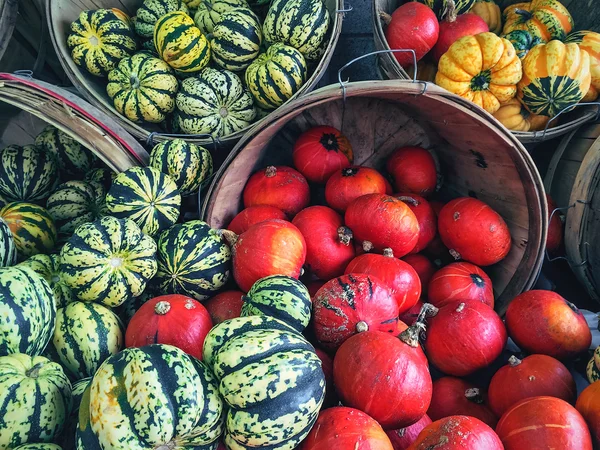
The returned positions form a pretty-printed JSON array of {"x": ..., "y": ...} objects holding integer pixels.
[
  {"x": 454, "y": 254},
  {"x": 388, "y": 252},
  {"x": 525, "y": 15},
  {"x": 385, "y": 18},
  {"x": 474, "y": 395},
  {"x": 34, "y": 372},
  {"x": 461, "y": 307},
  {"x": 229, "y": 236},
  {"x": 514, "y": 361},
  {"x": 162, "y": 307},
  {"x": 349, "y": 171},
  {"x": 270, "y": 171},
  {"x": 481, "y": 81},
  {"x": 344, "y": 235},
  {"x": 410, "y": 200},
  {"x": 451, "y": 14},
  {"x": 362, "y": 326},
  {"x": 367, "y": 246},
  {"x": 410, "y": 336}
]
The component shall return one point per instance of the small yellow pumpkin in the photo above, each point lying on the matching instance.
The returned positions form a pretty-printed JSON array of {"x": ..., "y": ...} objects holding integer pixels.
[
  {"x": 516, "y": 118},
  {"x": 590, "y": 42},
  {"x": 544, "y": 19},
  {"x": 490, "y": 12},
  {"x": 484, "y": 69}
]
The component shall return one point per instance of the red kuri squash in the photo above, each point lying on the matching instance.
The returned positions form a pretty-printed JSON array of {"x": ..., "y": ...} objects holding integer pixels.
[
  {"x": 411, "y": 315},
  {"x": 403, "y": 438},
  {"x": 346, "y": 185},
  {"x": 458, "y": 433},
  {"x": 460, "y": 281},
  {"x": 455, "y": 27},
  {"x": 253, "y": 215},
  {"x": 425, "y": 217},
  {"x": 327, "y": 365},
  {"x": 224, "y": 306},
  {"x": 424, "y": 268},
  {"x": 413, "y": 170},
  {"x": 588, "y": 405}
]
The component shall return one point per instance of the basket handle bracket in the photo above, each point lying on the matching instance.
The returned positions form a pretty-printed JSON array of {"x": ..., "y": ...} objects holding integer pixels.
[{"x": 565, "y": 110}]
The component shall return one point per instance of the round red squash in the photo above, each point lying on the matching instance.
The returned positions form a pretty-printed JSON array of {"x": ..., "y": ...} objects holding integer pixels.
[
  {"x": 425, "y": 217},
  {"x": 281, "y": 187},
  {"x": 544, "y": 322},
  {"x": 400, "y": 278},
  {"x": 555, "y": 227},
  {"x": 458, "y": 433},
  {"x": 424, "y": 268},
  {"x": 346, "y": 428},
  {"x": 413, "y": 170},
  {"x": 175, "y": 320},
  {"x": 456, "y": 27},
  {"x": 346, "y": 185},
  {"x": 224, "y": 306},
  {"x": 321, "y": 151},
  {"x": 460, "y": 281},
  {"x": 253, "y": 215},
  {"x": 383, "y": 221},
  {"x": 327, "y": 365},
  {"x": 329, "y": 246},
  {"x": 534, "y": 376},
  {"x": 544, "y": 423},
  {"x": 313, "y": 287},
  {"x": 473, "y": 231},
  {"x": 403, "y": 438},
  {"x": 588, "y": 405},
  {"x": 351, "y": 304},
  {"x": 464, "y": 336},
  {"x": 273, "y": 247},
  {"x": 409, "y": 317}
]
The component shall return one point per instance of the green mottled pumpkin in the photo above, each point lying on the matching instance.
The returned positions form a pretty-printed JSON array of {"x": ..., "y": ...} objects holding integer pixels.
[
  {"x": 151, "y": 10},
  {"x": 208, "y": 12},
  {"x": 522, "y": 41},
  {"x": 32, "y": 228},
  {"x": 48, "y": 267},
  {"x": 102, "y": 176},
  {"x": 67, "y": 440},
  {"x": 441, "y": 8},
  {"x": 130, "y": 306},
  {"x": 8, "y": 249}
]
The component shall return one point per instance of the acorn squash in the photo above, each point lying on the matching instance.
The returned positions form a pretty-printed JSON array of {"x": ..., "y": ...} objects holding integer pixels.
[{"x": 545, "y": 19}]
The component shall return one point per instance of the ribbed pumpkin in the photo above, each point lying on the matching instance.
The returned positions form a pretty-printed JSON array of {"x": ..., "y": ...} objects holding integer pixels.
[
  {"x": 143, "y": 88},
  {"x": 346, "y": 185},
  {"x": 108, "y": 261},
  {"x": 192, "y": 260},
  {"x": 151, "y": 10},
  {"x": 32, "y": 228},
  {"x": 216, "y": 102},
  {"x": 209, "y": 12},
  {"x": 522, "y": 41},
  {"x": 545, "y": 19},
  {"x": 189, "y": 165},
  {"x": 8, "y": 249},
  {"x": 180, "y": 43},
  {"x": 35, "y": 400},
  {"x": 457, "y": 432},
  {"x": 484, "y": 69},
  {"x": 588, "y": 405},
  {"x": 276, "y": 75},
  {"x": 99, "y": 39},
  {"x": 270, "y": 377},
  {"x": 515, "y": 117},
  {"x": 224, "y": 306},
  {"x": 590, "y": 42},
  {"x": 555, "y": 76},
  {"x": 460, "y": 281},
  {"x": 147, "y": 196},
  {"x": 48, "y": 267},
  {"x": 490, "y": 12},
  {"x": 27, "y": 174},
  {"x": 441, "y": 8}
]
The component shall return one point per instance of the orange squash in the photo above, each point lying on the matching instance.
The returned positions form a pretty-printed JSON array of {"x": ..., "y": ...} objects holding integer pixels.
[
  {"x": 490, "y": 12},
  {"x": 515, "y": 117},
  {"x": 546, "y": 19},
  {"x": 588, "y": 405},
  {"x": 590, "y": 42}
]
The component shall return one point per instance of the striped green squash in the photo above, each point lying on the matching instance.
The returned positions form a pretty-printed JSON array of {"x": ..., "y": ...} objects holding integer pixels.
[
  {"x": 27, "y": 174},
  {"x": 32, "y": 228},
  {"x": 102, "y": 176},
  {"x": 100, "y": 39},
  {"x": 75, "y": 203},
  {"x": 67, "y": 440},
  {"x": 193, "y": 260},
  {"x": 216, "y": 103},
  {"x": 151, "y": 10},
  {"x": 38, "y": 447},
  {"x": 108, "y": 261},
  {"x": 147, "y": 196},
  {"x": 276, "y": 76},
  {"x": 48, "y": 267},
  {"x": 592, "y": 371},
  {"x": 282, "y": 297},
  {"x": 131, "y": 305},
  {"x": 189, "y": 165},
  {"x": 143, "y": 88},
  {"x": 271, "y": 379},
  {"x": 522, "y": 41},
  {"x": 85, "y": 439},
  {"x": 152, "y": 397},
  {"x": 8, "y": 249},
  {"x": 86, "y": 334},
  {"x": 27, "y": 312},
  {"x": 236, "y": 38},
  {"x": 35, "y": 400},
  {"x": 208, "y": 12},
  {"x": 302, "y": 24},
  {"x": 74, "y": 160}
]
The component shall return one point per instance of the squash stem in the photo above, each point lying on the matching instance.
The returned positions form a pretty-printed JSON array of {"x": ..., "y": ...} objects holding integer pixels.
[{"x": 410, "y": 336}]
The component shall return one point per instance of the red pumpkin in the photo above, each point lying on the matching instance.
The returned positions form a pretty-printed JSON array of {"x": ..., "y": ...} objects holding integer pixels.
[
  {"x": 555, "y": 227},
  {"x": 170, "y": 319},
  {"x": 351, "y": 304},
  {"x": 436, "y": 248},
  {"x": 383, "y": 221},
  {"x": 454, "y": 28},
  {"x": 327, "y": 365},
  {"x": 402, "y": 439},
  {"x": 588, "y": 405},
  {"x": 314, "y": 286},
  {"x": 411, "y": 315},
  {"x": 346, "y": 428},
  {"x": 253, "y": 215},
  {"x": 321, "y": 151},
  {"x": 424, "y": 268},
  {"x": 281, "y": 187},
  {"x": 413, "y": 170},
  {"x": 384, "y": 377},
  {"x": 455, "y": 397},
  {"x": 224, "y": 306},
  {"x": 425, "y": 217},
  {"x": 458, "y": 433},
  {"x": 544, "y": 423},
  {"x": 544, "y": 322},
  {"x": 346, "y": 185},
  {"x": 464, "y": 336},
  {"x": 534, "y": 376},
  {"x": 400, "y": 278},
  {"x": 473, "y": 231},
  {"x": 460, "y": 281},
  {"x": 411, "y": 26},
  {"x": 274, "y": 247},
  {"x": 329, "y": 246}
]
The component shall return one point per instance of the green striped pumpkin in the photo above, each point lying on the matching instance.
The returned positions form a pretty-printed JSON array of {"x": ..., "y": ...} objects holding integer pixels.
[
  {"x": 189, "y": 165},
  {"x": 102, "y": 176},
  {"x": 108, "y": 261},
  {"x": 8, "y": 249},
  {"x": 276, "y": 76},
  {"x": 32, "y": 228},
  {"x": 208, "y": 12},
  {"x": 441, "y": 7},
  {"x": 27, "y": 174},
  {"x": 180, "y": 43},
  {"x": 193, "y": 260},
  {"x": 74, "y": 160},
  {"x": 236, "y": 38},
  {"x": 27, "y": 312},
  {"x": 302, "y": 24},
  {"x": 35, "y": 400},
  {"x": 39, "y": 447},
  {"x": 271, "y": 378},
  {"x": 152, "y": 397},
  {"x": 48, "y": 267},
  {"x": 151, "y": 10},
  {"x": 142, "y": 88},
  {"x": 75, "y": 203},
  {"x": 68, "y": 439},
  {"x": 86, "y": 334},
  {"x": 282, "y": 297},
  {"x": 216, "y": 103},
  {"x": 147, "y": 196},
  {"x": 99, "y": 39}
]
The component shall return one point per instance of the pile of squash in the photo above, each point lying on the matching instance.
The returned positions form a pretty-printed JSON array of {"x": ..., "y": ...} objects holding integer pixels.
[{"x": 524, "y": 65}]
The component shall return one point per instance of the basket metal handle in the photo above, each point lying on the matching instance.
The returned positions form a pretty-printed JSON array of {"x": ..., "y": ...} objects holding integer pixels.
[
  {"x": 569, "y": 109},
  {"x": 345, "y": 10},
  {"x": 215, "y": 140}
]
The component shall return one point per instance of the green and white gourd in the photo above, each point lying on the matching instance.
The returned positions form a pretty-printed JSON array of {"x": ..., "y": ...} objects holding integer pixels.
[
  {"x": 48, "y": 267},
  {"x": 208, "y": 12},
  {"x": 39, "y": 447},
  {"x": 67, "y": 440},
  {"x": 131, "y": 306},
  {"x": 151, "y": 11},
  {"x": 8, "y": 249},
  {"x": 102, "y": 176},
  {"x": 32, "y": 228}
]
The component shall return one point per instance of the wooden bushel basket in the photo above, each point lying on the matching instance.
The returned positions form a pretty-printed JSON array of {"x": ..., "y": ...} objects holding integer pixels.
[
  {"x": 62, "y": 13},
  {"x": 477, "y": 158}
]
